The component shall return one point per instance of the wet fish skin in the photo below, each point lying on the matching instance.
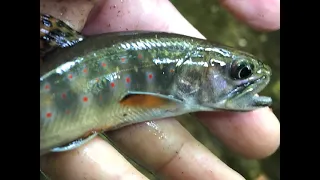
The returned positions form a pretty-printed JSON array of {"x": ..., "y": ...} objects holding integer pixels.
[{"x": 81, "y": 87}]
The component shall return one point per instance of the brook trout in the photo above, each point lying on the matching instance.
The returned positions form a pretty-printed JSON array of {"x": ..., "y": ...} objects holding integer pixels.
[{"x": 104, "y": 82}]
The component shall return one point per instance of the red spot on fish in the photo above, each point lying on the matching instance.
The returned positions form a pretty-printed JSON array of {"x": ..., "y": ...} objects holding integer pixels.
[
  {"x": 100, "y": 97},
  {"x": 63, "y": 95},
  {"x": 70, "y": 76},
  {"x": 85, "y": 70},
  {"x": 47, "y": 87},
  {"x": 67, "y": 111},
  {"x": 97, "y": 79},
  {"x": 150, "y": 76},
  {"x": 139, "y": 56},
  {"x": 49, "y": 115},
  {"x": 112, "y": 84},
  {"x": 128, "y": 80},
  {"x": 123, "y": 59},
  {"x": 103, "y": 64},
  {"x": 171, "y": 70},
  {"x": 85, "y": 99}
]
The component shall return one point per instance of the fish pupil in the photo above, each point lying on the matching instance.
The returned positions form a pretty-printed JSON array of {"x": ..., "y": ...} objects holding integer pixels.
[
  {"x": 244, "y": 72},
  {"x": 241, "y": 70}
]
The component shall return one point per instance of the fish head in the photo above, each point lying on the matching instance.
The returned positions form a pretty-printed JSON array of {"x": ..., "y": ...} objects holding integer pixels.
[{"x": 231, "y": 82}]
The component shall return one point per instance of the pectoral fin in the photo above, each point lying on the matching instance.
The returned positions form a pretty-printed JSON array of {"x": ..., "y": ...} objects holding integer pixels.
[{"x": 149, "y": 100}]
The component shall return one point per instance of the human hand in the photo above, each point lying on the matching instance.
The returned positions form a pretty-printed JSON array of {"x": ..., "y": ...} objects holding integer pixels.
[{"x": 177, "y": 155}]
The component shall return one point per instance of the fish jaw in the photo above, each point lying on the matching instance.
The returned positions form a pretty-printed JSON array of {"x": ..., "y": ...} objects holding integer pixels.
[{"x": 249, "y": 99}]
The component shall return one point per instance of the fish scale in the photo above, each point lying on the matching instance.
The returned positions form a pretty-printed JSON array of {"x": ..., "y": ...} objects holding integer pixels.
[{"x": 104, "y": 82}]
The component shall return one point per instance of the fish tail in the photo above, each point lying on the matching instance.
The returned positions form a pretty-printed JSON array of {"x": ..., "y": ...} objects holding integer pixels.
[{"x": 54, "y": 33}]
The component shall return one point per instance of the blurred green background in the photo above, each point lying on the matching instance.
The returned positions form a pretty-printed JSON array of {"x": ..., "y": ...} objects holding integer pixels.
[{"x": 216, "y": 24}]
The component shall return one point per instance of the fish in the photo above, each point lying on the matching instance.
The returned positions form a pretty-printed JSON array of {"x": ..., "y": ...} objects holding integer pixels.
[{"x": 93, "y": 84}]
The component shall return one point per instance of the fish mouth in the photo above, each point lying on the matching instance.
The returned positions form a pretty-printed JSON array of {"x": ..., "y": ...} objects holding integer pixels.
[
  {"x": 246, "y": 95},
  {"x": 260, "y": 84}
]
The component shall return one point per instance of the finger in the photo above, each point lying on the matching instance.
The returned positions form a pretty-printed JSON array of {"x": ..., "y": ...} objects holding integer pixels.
[
  {"x": 95, "y": 160},
  {"x": 254, "y": 134},
  {"x": 259, "y": 14},
  {"x": 168, "y": 149}
]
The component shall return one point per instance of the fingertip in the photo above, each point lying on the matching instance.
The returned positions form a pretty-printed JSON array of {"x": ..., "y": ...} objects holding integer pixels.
[
  {"x": 263, "y": 15},
  {"x": 254, "y": 135}
]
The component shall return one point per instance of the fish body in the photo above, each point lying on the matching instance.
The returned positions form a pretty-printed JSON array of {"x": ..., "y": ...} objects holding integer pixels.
[{"x": 108, "y": 81}]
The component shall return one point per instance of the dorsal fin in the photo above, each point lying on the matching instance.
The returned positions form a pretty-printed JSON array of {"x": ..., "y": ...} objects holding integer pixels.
[{"x": 54, "y": 33}]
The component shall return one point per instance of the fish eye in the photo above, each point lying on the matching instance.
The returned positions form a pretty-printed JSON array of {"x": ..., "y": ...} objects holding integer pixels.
[{"x": 241, "y": 70}]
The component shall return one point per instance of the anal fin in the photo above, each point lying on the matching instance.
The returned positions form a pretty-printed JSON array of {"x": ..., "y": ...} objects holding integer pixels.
[{"x": 75, "y": 144}]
